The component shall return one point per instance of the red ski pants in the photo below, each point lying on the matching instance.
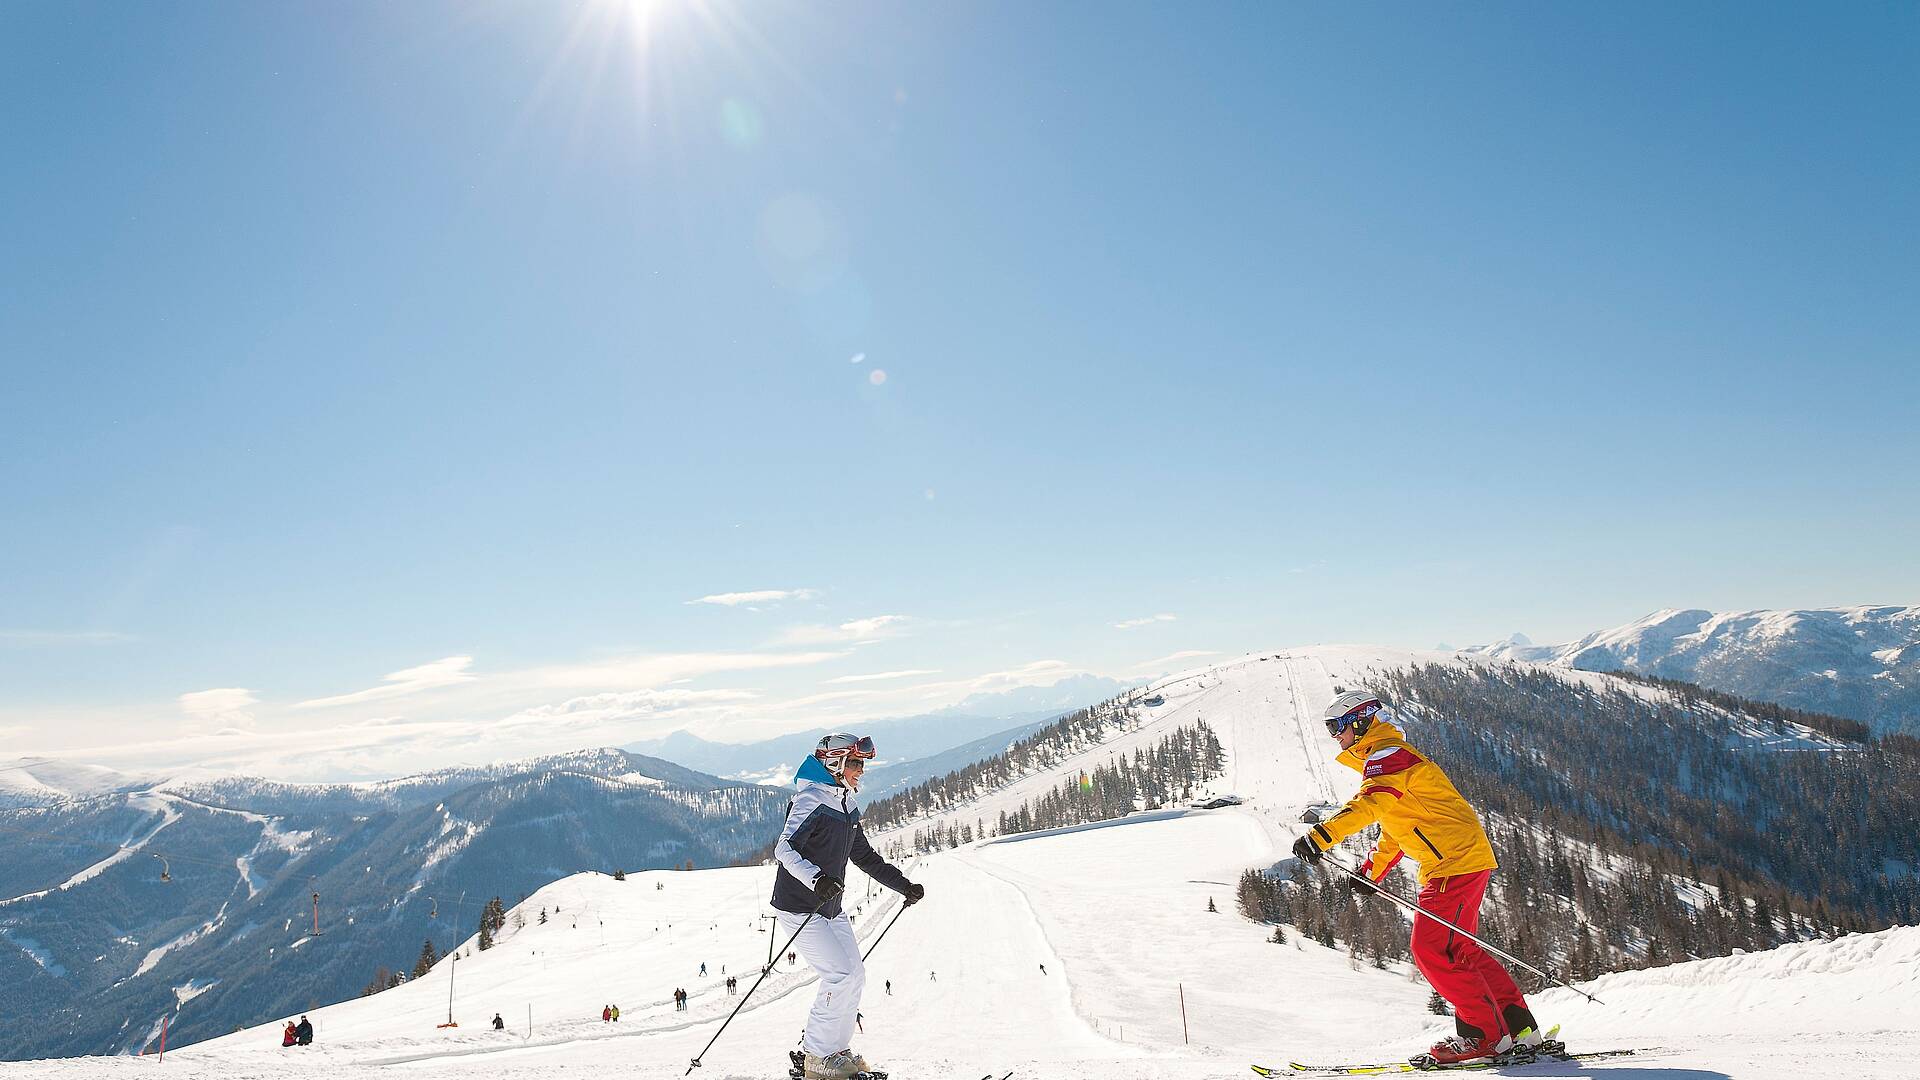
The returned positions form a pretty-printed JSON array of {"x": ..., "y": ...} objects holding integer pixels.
[{"x": 1465, "y": 974}]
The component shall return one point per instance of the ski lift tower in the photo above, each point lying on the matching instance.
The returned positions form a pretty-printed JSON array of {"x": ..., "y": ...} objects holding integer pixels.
[{"x": 452, "y": 966}]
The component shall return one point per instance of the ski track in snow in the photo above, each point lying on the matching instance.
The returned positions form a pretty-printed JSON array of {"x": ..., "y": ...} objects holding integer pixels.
[
  {"x": 130, "y": 847},
  {"x": 1116, "y": 913}
]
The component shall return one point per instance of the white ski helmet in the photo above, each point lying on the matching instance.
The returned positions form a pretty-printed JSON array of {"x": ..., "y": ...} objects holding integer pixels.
[
  {"x": 1354, "y": 709},
  {"x": 835, "y": 749}
]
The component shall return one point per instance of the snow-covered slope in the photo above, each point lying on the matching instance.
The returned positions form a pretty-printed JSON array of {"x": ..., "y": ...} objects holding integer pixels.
[
  {"x": 1116, "y": 913},
  {"x": 1858, "y": 662},
  {"x": 40, "y": 781}
]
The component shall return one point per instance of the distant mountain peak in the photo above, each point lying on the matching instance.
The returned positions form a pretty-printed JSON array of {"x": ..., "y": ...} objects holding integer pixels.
[
  {"x": 1859, "y": 662},
  {"x": 38, "y": 781}
]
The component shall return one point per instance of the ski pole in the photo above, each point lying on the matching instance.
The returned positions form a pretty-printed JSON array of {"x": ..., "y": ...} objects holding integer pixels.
[
  {"x": 883, "y": 933},
  {"x": 1418, "y": 911},
  {"x": 764, "y": 972}
]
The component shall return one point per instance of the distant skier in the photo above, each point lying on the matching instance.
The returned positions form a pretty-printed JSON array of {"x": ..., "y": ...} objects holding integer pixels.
[
  {"x": 616, "y": 1013},
  {"x": 290, "y": 1036},
  {"x": 822, "y": 833},
  {"x": 499, "y": 1024},
  {"x": 1443, "y": 834},
  {"x": 1043, "y": 969},
  {"x": 889, "y": 987},
  {"x": 304, "y": 1033},
  {"x": 606, "y": 1014}
]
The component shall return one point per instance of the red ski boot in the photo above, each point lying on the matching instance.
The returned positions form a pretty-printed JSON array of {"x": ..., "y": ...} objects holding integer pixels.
[{"x": 1455, "y": 1049}]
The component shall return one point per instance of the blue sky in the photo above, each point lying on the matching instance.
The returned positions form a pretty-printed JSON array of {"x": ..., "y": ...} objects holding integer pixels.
[{"x": 480, "y": 342}]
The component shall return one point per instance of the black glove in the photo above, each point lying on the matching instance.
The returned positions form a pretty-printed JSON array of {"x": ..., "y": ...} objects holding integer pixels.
[
  {"x": 1362, "y": 887},
  {"x": 914, "y": 893},
  {"x": 1304, "y": 848},
  {"x": 826, "y": 887}
]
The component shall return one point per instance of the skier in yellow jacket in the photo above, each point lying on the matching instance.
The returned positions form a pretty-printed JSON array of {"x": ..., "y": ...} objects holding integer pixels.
[{"x": 1421, "y": 815}]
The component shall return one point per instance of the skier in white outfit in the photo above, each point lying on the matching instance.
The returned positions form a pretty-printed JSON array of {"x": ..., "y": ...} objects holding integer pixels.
[{"x": 822, "y": 833}]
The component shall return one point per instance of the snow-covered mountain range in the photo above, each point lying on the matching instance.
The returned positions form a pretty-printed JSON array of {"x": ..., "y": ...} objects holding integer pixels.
[
  {"x": 86, "y": 916},
  {"x": 1862, "y": 663},
  {"x": 1081, "y": 954},
  {"x": 39, "y": 781},
  {"x": 122, "y": 896}
]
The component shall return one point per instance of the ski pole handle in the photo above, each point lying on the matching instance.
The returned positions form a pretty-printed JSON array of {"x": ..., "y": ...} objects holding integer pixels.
[{"x": 1419, "y": 912}]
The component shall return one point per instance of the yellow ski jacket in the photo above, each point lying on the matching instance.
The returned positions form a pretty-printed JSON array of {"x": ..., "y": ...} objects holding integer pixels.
[{"x": 1419, "y": 811}]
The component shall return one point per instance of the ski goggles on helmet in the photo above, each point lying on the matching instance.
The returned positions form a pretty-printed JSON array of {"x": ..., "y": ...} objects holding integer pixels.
[
  {"x": 847, "y": 747},
  {"x": 1366, "y": 710}
]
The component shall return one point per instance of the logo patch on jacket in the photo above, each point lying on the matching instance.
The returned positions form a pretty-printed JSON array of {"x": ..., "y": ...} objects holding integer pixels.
[{"x": 1389, "y": 761}]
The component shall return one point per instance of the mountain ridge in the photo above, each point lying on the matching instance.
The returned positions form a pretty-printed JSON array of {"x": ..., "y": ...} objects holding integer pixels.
[
  {"x": 112, "y": 903},
  {"x": 1860, "y": 662}
]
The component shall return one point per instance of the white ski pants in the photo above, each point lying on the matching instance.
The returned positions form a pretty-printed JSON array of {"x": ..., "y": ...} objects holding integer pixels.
[{"x": 828, "y": 945}]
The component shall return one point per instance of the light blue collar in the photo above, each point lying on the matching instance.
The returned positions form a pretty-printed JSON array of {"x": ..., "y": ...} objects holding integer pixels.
[{"x": 812, "y": 770}]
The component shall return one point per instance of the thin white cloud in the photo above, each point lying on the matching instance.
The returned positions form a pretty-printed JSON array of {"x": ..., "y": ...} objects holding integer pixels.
[
  {"x": 447, "y": 671},
  {"x": 593, "y": 710},
  {"x": 1131, "y": 624},
  {"x": 452, "y": 711},
  {"x": 756, "y": 596},
  {"x": 857, "y": 631},
  {"x": 647, "y": 671},
  {"x": 801, "y": 704},
  {"x": 1036, "y": 673},
  {"x": 869, "y": 629},
  {"x": 879, "y": 675},
  {"x": 1184, "y": 654},
  {"x": 62, "y": 637},
  {"x": 229, "y": 706}
]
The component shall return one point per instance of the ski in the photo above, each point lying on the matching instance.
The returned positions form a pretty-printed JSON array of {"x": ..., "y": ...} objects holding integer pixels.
[
  {"x": 1549, "y": 1046},
  {"x": 1504, "y": 1061}
]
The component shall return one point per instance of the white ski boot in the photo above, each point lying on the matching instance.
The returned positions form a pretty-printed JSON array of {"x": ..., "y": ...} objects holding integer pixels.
[{"x": 844, "y": 1065}]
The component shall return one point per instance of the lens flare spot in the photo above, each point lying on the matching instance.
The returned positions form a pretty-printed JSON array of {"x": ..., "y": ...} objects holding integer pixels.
[
  {"x": 802, "y": 243},
  {"x": 740, "y": 124},
  {"x": 877, "y": 376}
]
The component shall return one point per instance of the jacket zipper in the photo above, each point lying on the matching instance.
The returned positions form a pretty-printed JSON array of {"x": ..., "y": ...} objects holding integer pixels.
[{"x": 1429, "y": 843}]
